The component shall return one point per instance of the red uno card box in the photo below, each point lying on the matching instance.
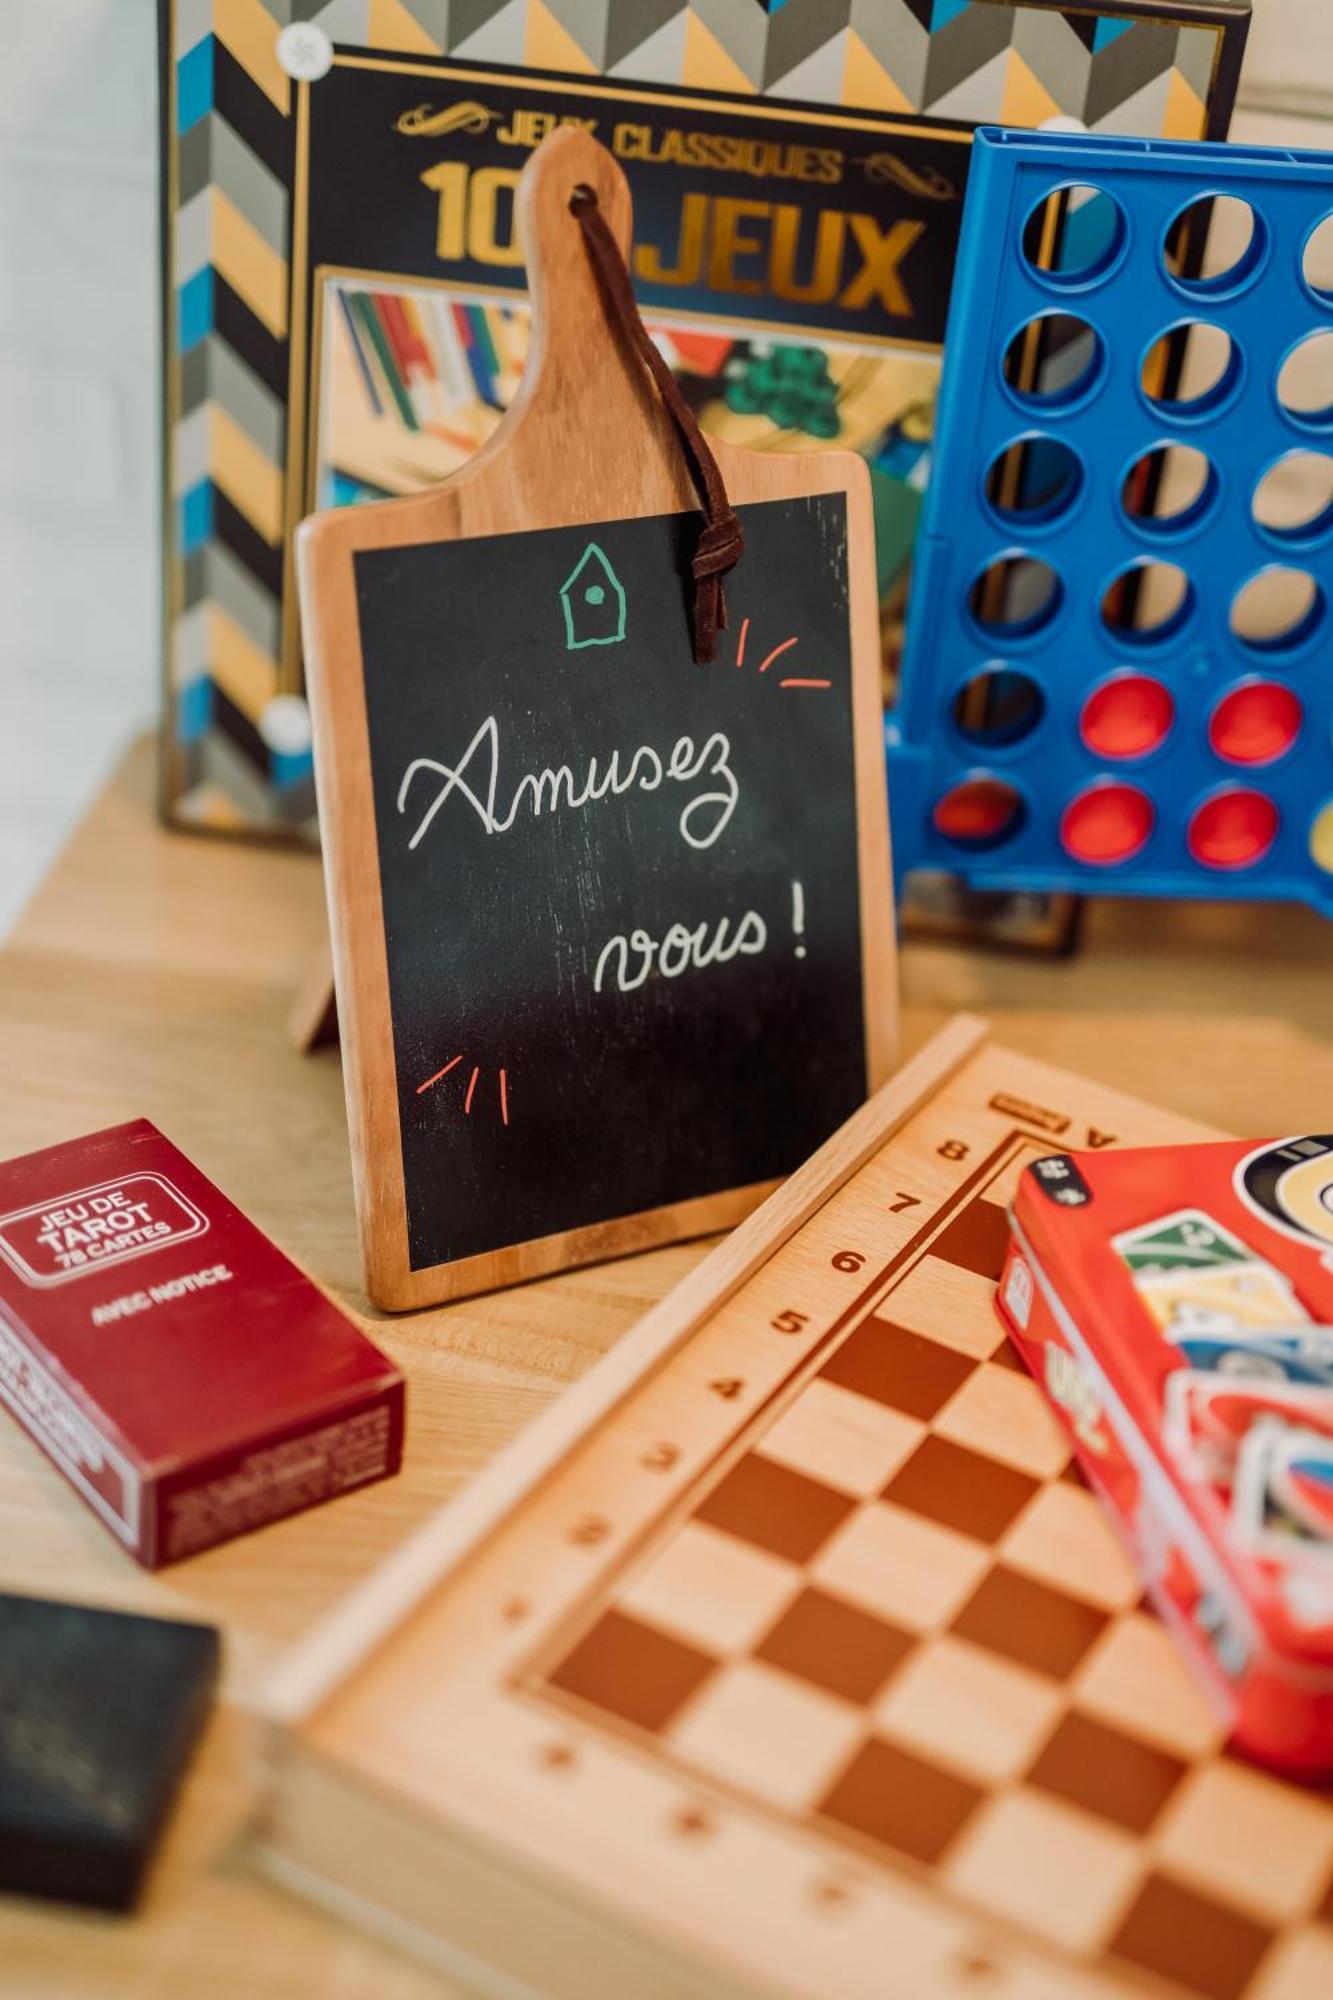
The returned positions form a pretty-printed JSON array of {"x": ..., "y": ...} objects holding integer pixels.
[
  {"x": 344, "y": 302},
  {"x": 1177, "y": 1304},
  {"x": 188, "y": 1380}
]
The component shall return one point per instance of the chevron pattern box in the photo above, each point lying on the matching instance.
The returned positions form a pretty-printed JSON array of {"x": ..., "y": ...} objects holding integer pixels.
[{"x": 344, "y": 312}]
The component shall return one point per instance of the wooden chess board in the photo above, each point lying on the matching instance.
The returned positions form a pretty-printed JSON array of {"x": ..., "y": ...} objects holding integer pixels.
[{"x": 792, "y": 1648}]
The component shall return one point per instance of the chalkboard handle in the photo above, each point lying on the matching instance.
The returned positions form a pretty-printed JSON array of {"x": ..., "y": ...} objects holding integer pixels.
[{"x": 595, "y": 416}]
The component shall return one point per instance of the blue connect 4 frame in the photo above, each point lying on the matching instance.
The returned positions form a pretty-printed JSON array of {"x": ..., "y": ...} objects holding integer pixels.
[{"x": 1119, "y": 662}]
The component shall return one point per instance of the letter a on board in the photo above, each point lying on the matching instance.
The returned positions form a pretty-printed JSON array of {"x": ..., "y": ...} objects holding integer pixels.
[{"x": 593, "y": 599}]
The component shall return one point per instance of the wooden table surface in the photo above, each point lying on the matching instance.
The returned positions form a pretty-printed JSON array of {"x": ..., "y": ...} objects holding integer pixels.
[{"x": 152, "y": 976}]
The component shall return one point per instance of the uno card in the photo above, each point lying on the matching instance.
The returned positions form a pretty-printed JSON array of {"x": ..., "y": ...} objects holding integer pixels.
[
  {"x": 1282, "y": 1500},
  {"x": 1226, "y": 1299},
  {"x": 1302, "y": 1479},
  {"x": 1189, "y": 1240},
  {"x": 1262, "y": 1357},
  {"x": 1205, "y": 1417}
]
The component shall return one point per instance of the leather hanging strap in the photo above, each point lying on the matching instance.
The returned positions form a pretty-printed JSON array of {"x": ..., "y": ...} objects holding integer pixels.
[{"x": 722, "y": 541}]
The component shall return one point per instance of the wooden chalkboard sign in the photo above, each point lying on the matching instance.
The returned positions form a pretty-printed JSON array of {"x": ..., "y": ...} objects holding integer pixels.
[{"x": 612, "y": 929}]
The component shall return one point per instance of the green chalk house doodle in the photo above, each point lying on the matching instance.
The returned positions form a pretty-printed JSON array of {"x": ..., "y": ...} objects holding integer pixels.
[{"x": 592, "y": 598}]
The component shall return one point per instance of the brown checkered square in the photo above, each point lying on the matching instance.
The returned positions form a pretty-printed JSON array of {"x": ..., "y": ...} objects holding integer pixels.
[
  {"x": 775, "y": 1508},
  {"x": 977, "y": 1239},
  {"x": 1107, "y": 1772},
  {"x": 1028, "y": 1622},
  {"x": 832, "y": 1644},
  {"x": 1206, "y": 1947},
  {"x": 633, "y": 1671},
  {"x": 891, "y": 1796},
  {"x": 963, "y": 1489},
  {"x": 897, "y": 1367}
]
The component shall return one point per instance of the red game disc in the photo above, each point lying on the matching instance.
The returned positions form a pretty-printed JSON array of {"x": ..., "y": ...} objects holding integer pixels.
[
  {"x": 1233, "y": 829},
  {"x": 1106, "y": 824},
  {"x": 1256, "y": 723}
]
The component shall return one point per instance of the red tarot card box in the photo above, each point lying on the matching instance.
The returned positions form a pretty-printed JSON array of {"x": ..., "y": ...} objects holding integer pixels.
[
  {"x": 189, "y": 1381},
  {"x": 1177, "y": 1305}
]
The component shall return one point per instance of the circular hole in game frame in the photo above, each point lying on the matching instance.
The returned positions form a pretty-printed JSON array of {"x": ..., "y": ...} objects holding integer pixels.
[
  {"x": 979, "y": 812},
  {"x": 1015, "y": 596},
  {"x": 1277, "y": 610},
  {"x": 1127, "y": 717},
  {"x": 1321, "y": 838},
  {"x": 1305, "y": 382},
  {"x": 1033, "y": 480},
  {"x": 1169, "y": 488},
  {"x": 1190, "y": 370},
  {"x": 1107, "y": 823},
  {"x": 1147, "y": 602},
  {"x": 1293, "y": 501},
  {"x": 1255, "y": 723},
  {"x": 1053, "y": 361},
  {"x": 1232, "y": 829},
  {"x": 1213, "y": 245},
  {"x": 1074, "y": 235},
  {"x": 1317, "y": 261},
  {"x": 997, "y": 708}
]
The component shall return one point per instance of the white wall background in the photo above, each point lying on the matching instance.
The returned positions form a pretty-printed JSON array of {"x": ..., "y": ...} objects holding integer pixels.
[
  {"x": 78, "y": 411},
  {"x": 78, "y": 383}
]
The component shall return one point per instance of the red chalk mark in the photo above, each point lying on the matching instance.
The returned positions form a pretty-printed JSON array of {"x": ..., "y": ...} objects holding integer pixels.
[
  {"x": 777, "y": 650},
  {"x": 740, "y": 645},
  {"x": 805, "y": 684},
  {"x": 438, "y": 1074},
  {"x": 471, "y": 1087}
]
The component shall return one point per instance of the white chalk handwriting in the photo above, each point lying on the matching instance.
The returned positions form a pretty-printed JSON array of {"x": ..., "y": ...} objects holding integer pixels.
[
  {"x": 475, "y": 781},
  {"x": 682, "y": 949}
]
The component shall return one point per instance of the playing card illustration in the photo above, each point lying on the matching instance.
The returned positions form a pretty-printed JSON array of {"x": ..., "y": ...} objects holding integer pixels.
[
  {"x": 1282, "y": 1500},
  {"x": 1226, "y": 1299},
  {"x": 1260, "y": 1358},
  {"x": 1206, "y": 1417},
  {"x": 1189, "y": 1240}
]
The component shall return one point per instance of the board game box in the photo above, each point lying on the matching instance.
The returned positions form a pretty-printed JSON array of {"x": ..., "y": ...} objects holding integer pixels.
[
  {"x": 344, "y": 304},
  {"x": 185, "y": 1377},
  {"x": 1176, "y": 1305}
]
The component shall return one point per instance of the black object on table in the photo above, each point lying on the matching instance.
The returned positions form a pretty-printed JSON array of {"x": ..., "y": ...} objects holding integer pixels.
[{"x": 99, "y": 1713}]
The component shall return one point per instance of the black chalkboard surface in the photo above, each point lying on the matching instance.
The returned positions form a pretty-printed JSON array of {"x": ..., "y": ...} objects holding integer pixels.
[{"x": 620, "y": 890}]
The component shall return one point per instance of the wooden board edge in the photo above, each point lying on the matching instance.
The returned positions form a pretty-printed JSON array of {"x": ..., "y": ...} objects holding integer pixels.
[
  {"x": 535, "y": 1257},
  {"x": 345, "y": 1640},
  {"x": 582, "y": 1942},
  {"x": 879, "y": 941},
  {"x": 325, "y": 550}
]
